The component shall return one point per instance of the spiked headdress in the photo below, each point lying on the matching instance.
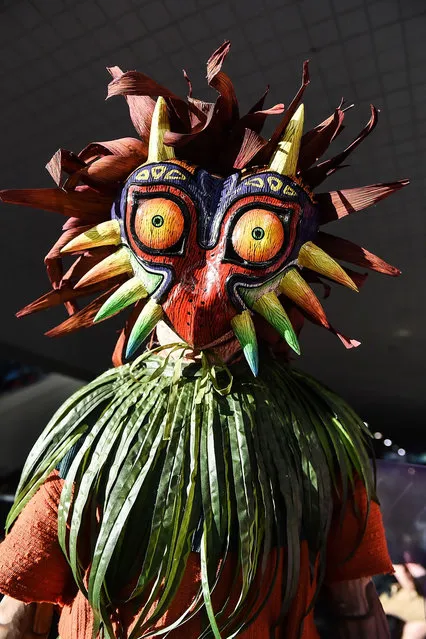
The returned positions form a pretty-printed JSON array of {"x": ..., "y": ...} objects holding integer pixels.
[{"x": 215, "y": 137}]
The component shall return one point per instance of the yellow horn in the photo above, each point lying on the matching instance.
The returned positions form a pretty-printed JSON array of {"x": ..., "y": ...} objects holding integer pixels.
[
  {"x": 298, "y": 290},
  {"x": 157, "y": 150},
  {"x": 103, "y": 234},
  {"x": 115, "y": 264},
  {"x": 286, "y": 155},
  {"x": 317, "y": 260}
]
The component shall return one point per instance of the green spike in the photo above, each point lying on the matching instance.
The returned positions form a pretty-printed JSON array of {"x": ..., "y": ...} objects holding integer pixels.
[
  {"x": 244, "y": 330},
  {"x": 129, "y": 293},
  {"x": 146, "y": 322},
  {"x": 271, "y": 309}
]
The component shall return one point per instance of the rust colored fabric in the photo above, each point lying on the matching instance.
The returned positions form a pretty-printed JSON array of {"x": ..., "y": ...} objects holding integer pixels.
[
  {"x": 371, "y": 556},
  {"x": 33, "y": 568},
  {"x": 32, "y": 565}
]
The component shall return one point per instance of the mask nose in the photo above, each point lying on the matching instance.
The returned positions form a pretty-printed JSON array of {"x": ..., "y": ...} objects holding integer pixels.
[{"x": 198, "y": 308}]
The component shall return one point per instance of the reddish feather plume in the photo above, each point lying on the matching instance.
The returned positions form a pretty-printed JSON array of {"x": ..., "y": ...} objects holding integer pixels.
[
  {"x": 317, "y": 174},
  {"x": 76, "y": 204},
  {"x": 105, "y": 173},
  {"x": 255, "y": 119},
  {"x": 316, "y": 142},
  {"x": 53, "y": 259},
  {"x": 338, "y": 204},
  {"x": 85, "y": 262},
  {"x": 78, "y": 222},
  {"x": 266, "y": 153},
  {"x": 256, "y": 116},
  {"x": 83, "y": 318},
  {"x": 346, "y": 341},
  {"x": 62, "y": 295},
  {"x": 347, "y": 251},
  {"x": 251, "y": 144},
  {"x": 141, "y": 108},
  {"x": 136, "y": 83},
  {"x": 63, "y": 161},
  {"x": 122, "y": 147},
  {"x": 222, "y": 83}
]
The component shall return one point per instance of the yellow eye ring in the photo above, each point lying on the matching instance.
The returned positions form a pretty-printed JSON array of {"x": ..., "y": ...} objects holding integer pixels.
[
  {"x": 258, "y": 235},
  {"x": 159, "y": 223}
]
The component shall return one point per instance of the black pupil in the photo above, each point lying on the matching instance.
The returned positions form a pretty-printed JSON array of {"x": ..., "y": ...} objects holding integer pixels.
[
  {"x": 258, "y": 233},
  {"x": 157, "y": 220}
]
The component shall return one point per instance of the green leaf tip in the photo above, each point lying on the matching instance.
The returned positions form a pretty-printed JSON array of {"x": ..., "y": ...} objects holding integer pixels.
[
  {"x": 146, "y": 322},
  {"x": 245, "y": 332},
  {"x": 129, "y": 293},
  {"x": 272, "y": 310}
]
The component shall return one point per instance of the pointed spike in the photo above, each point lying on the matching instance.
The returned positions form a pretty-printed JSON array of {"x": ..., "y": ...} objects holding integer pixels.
[
  {"x": 271, "y": 309},
  {"x": 157, "y": 150},
  {"x": 244, "y": 330},
  {"x": 298, "y": 290},
  {"x": 284, "y": 160},
  {"x": 128, "y": 293},
  {"x": 314, "y": 258},
  {"x": 104, "y": 234},
  {"x": 150, "y": 315},
  {"x": 115, "y": 264}
]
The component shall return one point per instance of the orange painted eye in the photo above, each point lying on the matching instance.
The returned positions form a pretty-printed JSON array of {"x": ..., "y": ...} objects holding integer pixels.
[
  {"x": 258, "y": 235},
  {"x": 159, "y": 223}
]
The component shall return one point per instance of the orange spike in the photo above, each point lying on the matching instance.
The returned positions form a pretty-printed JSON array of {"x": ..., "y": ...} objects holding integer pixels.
[
  {"x": 295, "y": 288},
  {"x": 115, "y": 264},
  {"x": 314, "y": 258}
]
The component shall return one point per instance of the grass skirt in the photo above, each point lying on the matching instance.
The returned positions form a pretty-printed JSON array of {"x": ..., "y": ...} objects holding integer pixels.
[{"x": 169, "y": 452}]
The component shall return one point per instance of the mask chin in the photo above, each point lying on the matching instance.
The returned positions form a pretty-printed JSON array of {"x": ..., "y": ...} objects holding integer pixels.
[{"x": 166, "y": 335}]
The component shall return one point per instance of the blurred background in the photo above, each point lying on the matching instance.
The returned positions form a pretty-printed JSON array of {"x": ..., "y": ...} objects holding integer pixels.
[{"x": 53, "y": 55}]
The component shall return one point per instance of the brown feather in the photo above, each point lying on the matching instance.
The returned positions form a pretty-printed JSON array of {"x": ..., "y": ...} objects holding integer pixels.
[
  {"x": 62, "y": 295},
  {"x": 83, "y": 318},
  {"x": 220, "y": 81},
  {"x": 53, "y": 259},
  {"x": 341, "y": 249},
  {"x": 338, "y": 204},
  {"x": 317, "y": 174},
  {"x": 63, "y": 161},
  {"x": 316, "y": 142},
  {"x": 251, "y": 144},
  {"x": 75, "y": 204},
  {"x": 265, "y": 154}
]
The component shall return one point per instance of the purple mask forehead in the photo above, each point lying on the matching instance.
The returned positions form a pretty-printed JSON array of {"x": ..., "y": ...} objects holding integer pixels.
[{"x": 213, "y": 195}]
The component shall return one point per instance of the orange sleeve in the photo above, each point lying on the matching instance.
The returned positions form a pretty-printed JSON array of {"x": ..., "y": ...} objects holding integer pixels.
[
  {"x": 32, "y": 564},
  {"x": 371, "y": 556}
]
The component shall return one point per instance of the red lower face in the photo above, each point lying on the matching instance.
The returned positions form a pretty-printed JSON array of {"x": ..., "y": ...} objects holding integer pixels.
[{"x": 198, "y": 307}]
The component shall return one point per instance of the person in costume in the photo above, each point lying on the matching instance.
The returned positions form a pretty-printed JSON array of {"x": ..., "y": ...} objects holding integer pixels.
[{"x": 206, "y": 488}]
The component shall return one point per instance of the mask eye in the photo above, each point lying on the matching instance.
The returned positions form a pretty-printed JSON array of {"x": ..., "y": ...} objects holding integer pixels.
[
  {"x": 258, "y": 235},
  {"x": 159, "y": 223}
]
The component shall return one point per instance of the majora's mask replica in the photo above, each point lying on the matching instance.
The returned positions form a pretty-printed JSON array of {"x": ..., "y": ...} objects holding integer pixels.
[{"x": 202, "y": 222}]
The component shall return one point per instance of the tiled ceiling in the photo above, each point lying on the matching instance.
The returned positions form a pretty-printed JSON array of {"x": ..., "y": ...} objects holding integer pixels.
[{"x": 53, "y": 56}]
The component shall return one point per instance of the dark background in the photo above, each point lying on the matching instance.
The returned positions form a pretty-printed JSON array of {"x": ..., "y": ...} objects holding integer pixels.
[{"x": 53, "y": 55}]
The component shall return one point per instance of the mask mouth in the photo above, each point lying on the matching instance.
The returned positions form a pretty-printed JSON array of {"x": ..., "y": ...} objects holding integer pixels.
[
  {"x": 167, "y": 333},
  {"x": 220, "y": 341}
]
